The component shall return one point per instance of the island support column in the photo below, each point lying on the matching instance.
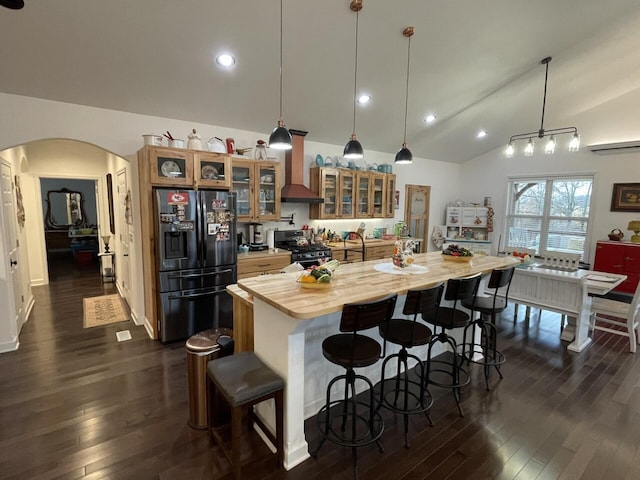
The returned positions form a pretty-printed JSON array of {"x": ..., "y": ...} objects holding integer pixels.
[{"x": 279, "y": 341}]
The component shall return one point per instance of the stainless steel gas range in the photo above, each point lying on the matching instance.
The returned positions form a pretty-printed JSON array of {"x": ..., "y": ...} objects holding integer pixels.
[{"x": 301, "y": 251}]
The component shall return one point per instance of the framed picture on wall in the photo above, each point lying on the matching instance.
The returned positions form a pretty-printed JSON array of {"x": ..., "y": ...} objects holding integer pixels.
[{"x": 625, "y": 197}]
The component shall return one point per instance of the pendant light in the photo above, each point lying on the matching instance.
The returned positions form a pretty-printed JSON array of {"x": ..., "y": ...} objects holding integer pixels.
[
  {"x": 280, "y": 138},
  {"x": 404, "y": 155},
  {"x": 353, "y": 148},
  {"x": 550, "y": 145}
]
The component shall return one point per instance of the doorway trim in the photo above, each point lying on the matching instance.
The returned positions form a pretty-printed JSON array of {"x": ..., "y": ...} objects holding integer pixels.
[{"x": 38, "y": 188}]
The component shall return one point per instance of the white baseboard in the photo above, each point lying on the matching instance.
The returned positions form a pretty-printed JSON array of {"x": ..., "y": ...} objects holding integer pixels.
[{"x": 10, "y": 346}]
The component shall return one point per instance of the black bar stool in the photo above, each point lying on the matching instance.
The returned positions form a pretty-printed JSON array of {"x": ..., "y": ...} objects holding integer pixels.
[
  {"x": 486, "y": 352},
  {"x": 243, "y": 381},
  {"x": 351, "y": 350},
  {"x": 402, "y": 394},
  {"x": 450, "y": 374}
]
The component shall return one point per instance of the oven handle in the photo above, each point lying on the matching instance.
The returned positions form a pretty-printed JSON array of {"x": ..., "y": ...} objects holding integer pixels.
[
  {"x": 195, "y": 295},
  {"x": 196, "y": 275}
]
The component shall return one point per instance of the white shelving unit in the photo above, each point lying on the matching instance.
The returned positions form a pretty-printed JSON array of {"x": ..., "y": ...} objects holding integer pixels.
[{"x": 467, "y": 226}]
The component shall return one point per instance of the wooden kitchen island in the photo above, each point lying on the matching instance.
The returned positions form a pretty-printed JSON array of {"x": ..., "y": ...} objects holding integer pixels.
[{"x": 290, "y": 323}]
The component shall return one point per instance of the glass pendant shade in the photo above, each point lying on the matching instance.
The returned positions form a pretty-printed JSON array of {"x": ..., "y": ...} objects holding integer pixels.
[
  {"x": 574, "y": 144},
  {"x": 353, "y": 149},
  {"x": 280, "y": 138},
  {"x": 509, "y": 151},
  {"x": 404, "y": 155},
  {"x": 550, "y": 146},
  {"x": 551, "y": 141},
  {"x": 528, "y": 150}
]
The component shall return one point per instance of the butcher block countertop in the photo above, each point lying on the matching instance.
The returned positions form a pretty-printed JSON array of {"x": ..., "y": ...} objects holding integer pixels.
[{"x": 362, "y": 281}]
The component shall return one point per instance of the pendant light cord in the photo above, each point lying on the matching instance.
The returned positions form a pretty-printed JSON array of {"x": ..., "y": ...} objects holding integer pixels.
[
  {"x": 355, "y": 76},
  {"x": 406, "y": 97},
  {"x": 544, "y": 97},
  {"x": 280, "y": 60}
]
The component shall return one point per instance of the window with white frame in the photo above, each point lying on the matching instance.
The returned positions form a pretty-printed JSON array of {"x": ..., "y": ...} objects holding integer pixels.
[{"x": 549, "y": 214}]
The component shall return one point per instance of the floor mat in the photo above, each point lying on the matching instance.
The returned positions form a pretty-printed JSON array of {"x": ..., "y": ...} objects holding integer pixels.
[{"x": 103, "y": 310}]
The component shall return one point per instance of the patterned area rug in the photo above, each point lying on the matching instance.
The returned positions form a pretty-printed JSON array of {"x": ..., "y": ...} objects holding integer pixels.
[{"x": 103, "y": 310}]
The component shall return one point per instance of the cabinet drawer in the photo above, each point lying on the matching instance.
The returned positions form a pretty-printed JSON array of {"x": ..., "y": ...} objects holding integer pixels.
[
  {"x": 379, "y": 252},
  {"x": 255, "y": 266}
]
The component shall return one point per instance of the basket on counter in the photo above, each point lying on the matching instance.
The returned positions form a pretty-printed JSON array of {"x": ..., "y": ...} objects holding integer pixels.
[
  {"x": 616, "y": 235},
  {"x": 459, "y": 259}
]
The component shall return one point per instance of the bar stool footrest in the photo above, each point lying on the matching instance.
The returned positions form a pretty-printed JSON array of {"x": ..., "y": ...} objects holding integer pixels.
[
  {"x": 414, "y": 404},
  {"x": 332, "y": 432}
]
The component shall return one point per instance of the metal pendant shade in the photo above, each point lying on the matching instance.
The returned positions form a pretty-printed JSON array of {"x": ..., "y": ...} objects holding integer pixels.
[
  {"x": 280, "y": 138},
  {"x": 404, "y": 155},
  {"x": 12, "y": 4},
  {"x": 353, "y": 148}
]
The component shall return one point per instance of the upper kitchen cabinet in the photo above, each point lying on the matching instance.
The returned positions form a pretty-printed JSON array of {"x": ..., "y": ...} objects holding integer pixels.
[
  {"x": 178, "y": 167},
  {"x": 351, "y": 194},
  {"x": 257, "y": 189},
  {"x": 336, "y": 187}
]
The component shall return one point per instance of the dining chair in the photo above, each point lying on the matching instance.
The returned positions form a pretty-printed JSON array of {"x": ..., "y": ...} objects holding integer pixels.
[{"x": 625, "y": 317}]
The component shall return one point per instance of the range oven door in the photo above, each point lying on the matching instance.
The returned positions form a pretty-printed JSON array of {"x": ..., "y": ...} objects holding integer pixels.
[{"x": 186, "y": 312}]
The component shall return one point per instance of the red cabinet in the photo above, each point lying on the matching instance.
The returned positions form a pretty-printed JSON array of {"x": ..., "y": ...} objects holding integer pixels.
[{"x": 618, "y": 257}]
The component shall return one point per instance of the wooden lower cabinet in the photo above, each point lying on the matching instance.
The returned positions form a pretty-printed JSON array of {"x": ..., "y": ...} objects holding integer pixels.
[
  {"x": 375, "y": 251},
  {"x": 258, "y": 263}
]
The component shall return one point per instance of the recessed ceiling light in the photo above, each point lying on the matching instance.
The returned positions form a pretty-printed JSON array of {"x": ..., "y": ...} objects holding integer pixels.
[
  {"x": 430, "y": 118},
  {"x": 364, "y": 99},
  {"x": 225, "y": 60},
  {"x": 482, "y": 134}
]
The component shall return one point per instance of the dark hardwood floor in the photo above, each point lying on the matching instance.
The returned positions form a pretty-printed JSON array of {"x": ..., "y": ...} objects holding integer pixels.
[{"x": 75, "y": 403}]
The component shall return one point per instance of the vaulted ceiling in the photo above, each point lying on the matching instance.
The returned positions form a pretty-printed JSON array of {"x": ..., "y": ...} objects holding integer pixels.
[{"x": 475, "y": 64}]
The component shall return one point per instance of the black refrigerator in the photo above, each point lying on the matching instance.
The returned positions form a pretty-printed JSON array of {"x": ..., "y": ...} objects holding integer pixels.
[{"x": 196, "y": 253}]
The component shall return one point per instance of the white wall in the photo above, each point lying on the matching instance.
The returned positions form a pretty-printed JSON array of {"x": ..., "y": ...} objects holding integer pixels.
[
  {"x": 26, "y": 121},
  {"x": 486, "y": 176}
]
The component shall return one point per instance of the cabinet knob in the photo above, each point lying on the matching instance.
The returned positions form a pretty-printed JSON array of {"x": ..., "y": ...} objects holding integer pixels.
[{"x": 13, "y": 262}]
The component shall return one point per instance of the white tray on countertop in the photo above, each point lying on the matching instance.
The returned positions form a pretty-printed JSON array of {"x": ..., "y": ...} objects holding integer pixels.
[{"x": 394, "y": 270}]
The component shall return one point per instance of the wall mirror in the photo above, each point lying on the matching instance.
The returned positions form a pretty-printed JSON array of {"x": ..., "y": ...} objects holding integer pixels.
[{"x": 65, "y": 209}]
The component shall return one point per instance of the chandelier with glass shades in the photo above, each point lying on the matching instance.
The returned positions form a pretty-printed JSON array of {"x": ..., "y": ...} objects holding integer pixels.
[{"x": 550, "y": 134}]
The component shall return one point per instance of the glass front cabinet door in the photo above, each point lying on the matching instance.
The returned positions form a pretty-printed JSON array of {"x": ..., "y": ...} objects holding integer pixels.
[
  {"x": 170, "y": 167},
  {"x": 363, "y": 191},
  {"x": 268, "y": 190},
  {"x": 212, "y": 170},
  {"x": 377, "y": 194},
  {"x": 390, "y": 199},
  {"x": 347, "y": 195},
  {"x": 329, "y": 189},
  {"x": 242, "y": 184}
]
